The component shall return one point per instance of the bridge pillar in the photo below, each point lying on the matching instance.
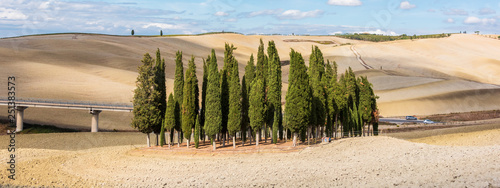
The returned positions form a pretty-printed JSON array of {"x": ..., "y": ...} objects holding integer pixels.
[
  {"x": 95, "y": 120},
  {"x": 19, "y": 117}
]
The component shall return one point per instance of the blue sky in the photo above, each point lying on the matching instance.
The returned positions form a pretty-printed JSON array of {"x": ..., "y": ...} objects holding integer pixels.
[{"x": 315, "y": 17}]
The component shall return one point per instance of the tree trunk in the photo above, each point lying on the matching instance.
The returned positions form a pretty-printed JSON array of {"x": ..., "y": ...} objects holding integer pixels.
[
  {"x": 265, "y": 133},
  {"x": 362, "y": 129},
  {"x": 309, "y": 135},
  {"x": 178, "y": 142},
  {"x": 286, "y": 134},
  {"x": 187, "y": 143},
  {"x": 336, "y": 125},
  {"x": 294, "y": 139},
  {"x": 148, "y": 140},
  {"x": 223, "y": 139},
  {"x": 157, "y": 143},
  {"x": 213, "y": 142},
  {"x": 368, "y": 129},
  {"x": 317, "y": 134},
  {"x": 169, "y": 140},
  {"x": 234, "y": 141},
  {"x": 257, "y": 136}
]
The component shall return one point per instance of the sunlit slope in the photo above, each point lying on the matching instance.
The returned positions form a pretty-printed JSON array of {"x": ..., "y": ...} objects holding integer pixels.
[{"x": 427, "y": 76}]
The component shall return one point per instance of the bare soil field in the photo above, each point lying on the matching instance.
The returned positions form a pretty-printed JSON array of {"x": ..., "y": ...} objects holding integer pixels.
[{"x": 459, "y": 159}]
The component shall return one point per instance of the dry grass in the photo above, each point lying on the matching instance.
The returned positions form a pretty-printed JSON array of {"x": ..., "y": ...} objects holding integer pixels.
[{"x": 419, "y": 77}]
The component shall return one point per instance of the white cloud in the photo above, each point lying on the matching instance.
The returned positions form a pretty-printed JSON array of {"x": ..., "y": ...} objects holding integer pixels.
[
  {"x": 460, "y": 12},
  {"x": 476, "y": 20},
  {"x": 11, "y": 14},
  {"x": 162, "y": 26},
  {"x": 450, "y": 20},
  {"x": 485, "y": 11},
  {"x": 231, "y": 20},
  {"x": 297, "y": 14},
  {"x": 264, "y": 12},
  {"x": 336, "y": 33},
  {"x": 220, "y": 13},
  {"x": 380, "y": 32},
  {"x": 345, "y": 2},
  {"x": 406, "y": 5}
]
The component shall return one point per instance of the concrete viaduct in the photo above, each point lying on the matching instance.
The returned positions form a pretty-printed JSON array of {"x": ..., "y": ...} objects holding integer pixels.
[{"x": 94, "y": 109}]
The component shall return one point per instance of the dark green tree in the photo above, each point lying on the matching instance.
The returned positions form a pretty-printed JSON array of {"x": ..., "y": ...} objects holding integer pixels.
[
  {"x": 197, "y": 132},
  {"x": 170, "y": 116},
  {"x": 351, "y": 89},
  {"x": 246, "y": 84},
  {"x": 146, "y": 111},
  {"x": 316, "y": 72},
  {"x": 298, "y": 97},
  {"x": 245, "y": 120},
  {"x": 365, "y": 101},
  {"x": 340, "y": 102},
  {"x": 161, "y": 32},
  {"x": 178, "y": 94},
  {"x": 250, "y": 72},
  {"x": 213, "y": 113},
  {"x": 204, "y": 97},
  {"x": 331, "y": 104},
  {"x": 132, "y": 32},
  {"x": 274, "y": 90},
  {"x": 234, "y": 116},
  {"x": 262, "y": 73},
  {"x": 190, "y": 102},
  {"x": 327, "y": 79},
  {"x": 257, "y": 108},
  {"x": 162, "y": 99},
  {"x": 225, "y": 77}
]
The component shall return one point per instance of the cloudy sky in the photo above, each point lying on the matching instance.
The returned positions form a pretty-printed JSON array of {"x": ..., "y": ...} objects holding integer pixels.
[{"x": 315, "y": 17}]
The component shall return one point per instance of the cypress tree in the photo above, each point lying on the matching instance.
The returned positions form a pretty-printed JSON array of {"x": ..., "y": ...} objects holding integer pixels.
[
  {"x": 245, "y": 120},
  {"x": 170, "y": 116},
  {"x": 162, "y": 99},
  {"x": 197, "y": 132},
  {"x": 262, "y": 73},
  {"x": 261, "y": 67},
  {"x": 213, "y": 113},
  {"x": 327, "y": 79},
  {"x": 298, "y": 97},
  {"x": 257, "y": 108},
  {"x": 365, "y": 100},
  {"x": 341, "y": 101},
  {"x": 375, "y": 112},
  {"x": 189, "y": 109},
  {"x": 225, "y": 78},
  {"x": 246, "y": 84},
  {"x": 316, "y": 72},
  {"x": 274, "y": 90},
  {"x": 331, "y": 104},
  {"x": 234, "y": 117},
  {"x": 203, "y": 96},
  {"x": 146, "y": 110},
  {"x": 178, "y": 94},
  {"x": 250, "y": 72}
]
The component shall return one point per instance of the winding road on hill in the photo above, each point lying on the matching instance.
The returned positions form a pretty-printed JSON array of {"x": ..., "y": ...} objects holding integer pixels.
[{"x": 358, "y": 56}]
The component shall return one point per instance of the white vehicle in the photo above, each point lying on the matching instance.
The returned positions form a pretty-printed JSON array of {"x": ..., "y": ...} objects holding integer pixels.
[
  {"x": 411, "y": 118},
  {"x": 428, "y": 121}
]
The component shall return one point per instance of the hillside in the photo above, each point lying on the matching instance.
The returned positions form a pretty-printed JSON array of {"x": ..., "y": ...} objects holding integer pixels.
[{"x": 412, "y": 77}]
